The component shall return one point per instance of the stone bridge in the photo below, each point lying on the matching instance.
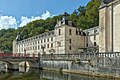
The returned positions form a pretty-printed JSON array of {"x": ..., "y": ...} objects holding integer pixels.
[
  {"x": 111, "y": 61},
  {"x": 14, "y": 63}
]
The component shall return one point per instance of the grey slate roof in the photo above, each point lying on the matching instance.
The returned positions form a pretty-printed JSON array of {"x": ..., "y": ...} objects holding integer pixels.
[
  {"x": 107, "y": 1},
  {"x": 104, "y": 3}
]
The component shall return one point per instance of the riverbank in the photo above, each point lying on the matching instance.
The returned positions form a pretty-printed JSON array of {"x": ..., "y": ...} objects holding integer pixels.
[
  {"x": 84, "y": 73},
  {"x": 36, "y": 74},
  {"x": 81, "y": 68}
]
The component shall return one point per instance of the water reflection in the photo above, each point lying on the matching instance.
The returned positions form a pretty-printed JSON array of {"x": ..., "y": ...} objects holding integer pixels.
[
  {"x": 35, "y": 74},
  {"x": 57, "y": 76},
  {"x": 3, "y": 67},
  {"x": 24, "y": 67}
]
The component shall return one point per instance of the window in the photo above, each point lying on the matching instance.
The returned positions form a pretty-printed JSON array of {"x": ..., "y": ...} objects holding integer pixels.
[
  {"x": 94, "y": 43},
  {"x": 41, "y": 46},
  {"x": 69, "y": 40},
  {"x": 51, "y": 45},
  {"x": 47, "y": 45},
  {"x": 59, "y": 32},
  {"x": 35, "y": 47},
  {"x": 70, "y": 32},
  {"x": 70, "y": 48},
  {"x": 94, "y": 37},
  {"x": 44, "y": 40},
  {"x": 86, "y": 38},
  {"x": 59, "y": 44},
  {"x": 38, "y": 47},
  {"x": 44, "y": 46},
  {"x": 48, "y": 40},
  {"x": 38, "y": 42},
  {"x": 76, "y": 32},
  {"x": 51, "y": 38},
  {"x": 33, "y": 43},
  {"x": 41, "y": 41},
  {"x": 86, "y": 44}
]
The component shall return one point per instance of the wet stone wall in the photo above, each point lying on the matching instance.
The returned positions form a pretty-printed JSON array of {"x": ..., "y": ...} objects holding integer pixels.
[{"x": 109, "y": 66}]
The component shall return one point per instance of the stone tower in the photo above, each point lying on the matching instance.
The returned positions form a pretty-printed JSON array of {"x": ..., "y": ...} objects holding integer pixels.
[
  {"x": 109, "y": 30},
  {"x": 15, "y": 42},
  {"x": 67, "y": 40}
]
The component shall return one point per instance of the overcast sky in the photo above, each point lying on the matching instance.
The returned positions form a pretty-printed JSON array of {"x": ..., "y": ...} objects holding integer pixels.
[{"x": 17, "y": 13}]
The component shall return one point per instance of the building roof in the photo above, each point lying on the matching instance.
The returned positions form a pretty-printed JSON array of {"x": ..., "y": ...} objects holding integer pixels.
[
  {"x": 65, "y": 14},
  {"x": 104, "y": 3},
  {"x": 64, "y": 21},
  {"x": 107, "y": 1},
  {"x": 90, "y": 29},
  {"x": 45, "y": 34}
]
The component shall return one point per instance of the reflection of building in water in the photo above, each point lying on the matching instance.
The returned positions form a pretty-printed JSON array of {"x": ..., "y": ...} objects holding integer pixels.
[
  {"x": 66, "y": 38},
  {"x": 52, "y": 75},
  {"x": 22, "y": 66}
]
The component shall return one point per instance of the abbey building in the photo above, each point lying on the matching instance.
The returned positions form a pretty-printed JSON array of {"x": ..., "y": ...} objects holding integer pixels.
[
  {"x": 64, "y": 39},
  {"x": 68, "y": 39}
]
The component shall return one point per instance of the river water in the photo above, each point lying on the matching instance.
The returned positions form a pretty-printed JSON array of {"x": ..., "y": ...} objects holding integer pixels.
[{"x": 35, "y": 74}]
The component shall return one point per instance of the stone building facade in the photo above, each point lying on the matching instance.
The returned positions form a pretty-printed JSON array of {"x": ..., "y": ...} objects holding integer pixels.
[
  {"x": 91, "y": 42},
  {"x": 109, "y": 26},
  {"x": 64, "y": 39}
]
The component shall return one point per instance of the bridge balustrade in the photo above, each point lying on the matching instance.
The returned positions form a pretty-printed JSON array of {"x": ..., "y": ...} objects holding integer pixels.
[{"x": 82, "y": 56}]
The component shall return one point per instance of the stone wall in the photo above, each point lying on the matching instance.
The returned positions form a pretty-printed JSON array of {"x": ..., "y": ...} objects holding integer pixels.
[
  {"x": 103, "y": 65},
  {"x": 76, "y": 42}
]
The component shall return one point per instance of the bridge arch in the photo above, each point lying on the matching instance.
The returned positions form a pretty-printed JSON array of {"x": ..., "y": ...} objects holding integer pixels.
[
  {"x": 29, "y": 63},
  {"x": 7, "y": 64}
]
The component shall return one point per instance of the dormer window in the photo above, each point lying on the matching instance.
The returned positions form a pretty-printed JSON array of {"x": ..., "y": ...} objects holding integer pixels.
[
  {"x": 95, "y": 31},
  {"x": 87, "y": 33}
]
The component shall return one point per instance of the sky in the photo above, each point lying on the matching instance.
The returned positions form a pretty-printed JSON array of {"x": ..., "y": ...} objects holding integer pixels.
[{"x": 17, "y": 13}]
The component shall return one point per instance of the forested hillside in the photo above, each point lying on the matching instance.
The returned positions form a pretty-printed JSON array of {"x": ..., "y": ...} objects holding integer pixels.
[{"x": 83, "y": 17}]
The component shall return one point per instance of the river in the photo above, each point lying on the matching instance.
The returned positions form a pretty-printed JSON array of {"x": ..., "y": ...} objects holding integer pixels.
[{"x": 35, "y": 74}]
